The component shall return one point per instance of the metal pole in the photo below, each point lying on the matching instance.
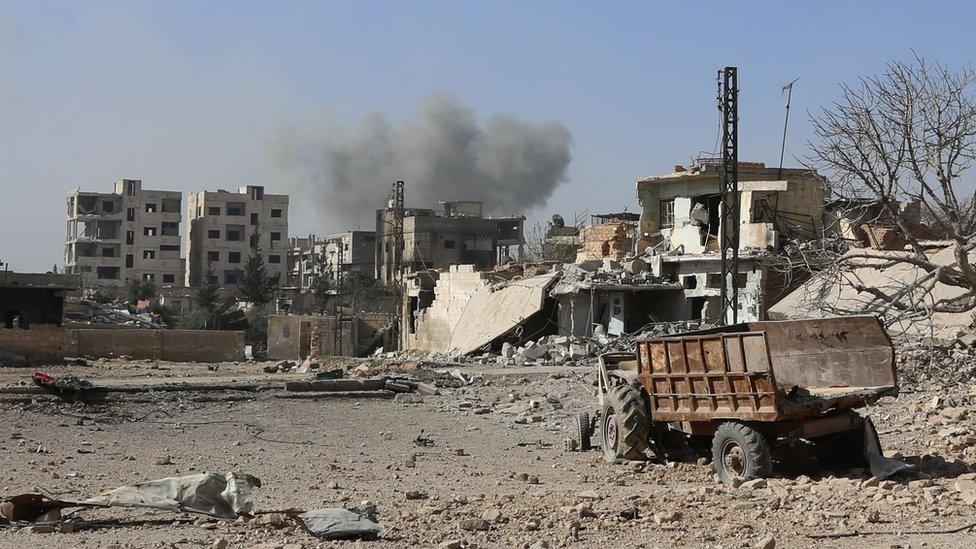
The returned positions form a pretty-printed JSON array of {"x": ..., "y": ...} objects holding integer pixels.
[
  {"x": 729, "y": 226},
  {"x": 789, "y": 97}
]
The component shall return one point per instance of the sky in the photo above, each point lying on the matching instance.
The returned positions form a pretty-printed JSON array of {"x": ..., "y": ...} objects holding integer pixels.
[{"x": 191, "y": 96}]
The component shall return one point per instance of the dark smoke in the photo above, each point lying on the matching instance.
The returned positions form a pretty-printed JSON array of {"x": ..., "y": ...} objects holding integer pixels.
[{"x": 442, "y": 153}]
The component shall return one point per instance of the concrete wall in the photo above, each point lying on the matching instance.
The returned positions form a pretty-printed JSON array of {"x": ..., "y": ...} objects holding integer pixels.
[
  {"x": 290, "y": 336},
  {"x": 435, "y": 324},
  {"x": 49, "y": 343}
]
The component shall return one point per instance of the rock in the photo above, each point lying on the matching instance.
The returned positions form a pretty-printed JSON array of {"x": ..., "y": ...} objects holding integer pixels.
[
  {"x": 415, "y": 494},
  {"x": 754, "y": 484},
  {"x": 508, "y": 351},
  {"x": 662, "y": 518},
  {"x": 475, "y": 525},
  {"x": 219, "y": 543},
  {"x": 768, "y": 542},
  {"x": 163, "y": 460},
  {"x": 540, "y": 545},
  {"x": 450, "y": 544},
  {"x": 492, "y": 515},
  {"x": 588, "y": 494}
]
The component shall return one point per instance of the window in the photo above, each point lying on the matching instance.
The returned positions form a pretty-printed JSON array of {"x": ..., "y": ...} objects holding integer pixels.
[
  {"x": 275, "y": 213},
  {"x": 169, "y": 248},
  {"x": 257, "y": 193},
  {"x": 130, "y": 188},
  {"x": 274, "y": 259},
  {"x": 110, "y": 273},
  {"x": 230, "y": 277},
  {"x": 108, "y": 207},
  {"x": 254, "y": 219},
  {"x": 150, "y": 208},
  {"x": 213, "y": 256},
  {"x": 213, "y": 233},
  {"x": 149, "y": 231},
  {"x": 233, "y": 257},
  {"x": 235, "y": 234},
  {"x": 667, "y": 214},
  {"x": 449, "y": 244},
  {"x": 171, "y": 205},
  {"x": 275, "y": 236},
  {"x": 170, "y": 228},
  {"x": 148, "y": 277},
  {"x": 108, "y": 252},
  {"x": 169, "y": 278},
  {"x": 128, "y": 261},
  {"x": 235, "y": 208},
  {"x": 130, "y": 214},
  {"x": 213, "y": 210},
  {"x": 130, "y": 237},
  {"x": 149, "y": 254}
]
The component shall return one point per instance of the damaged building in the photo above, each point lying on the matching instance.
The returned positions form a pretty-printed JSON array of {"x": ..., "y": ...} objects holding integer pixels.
[
  {"x": 345, "y": 252},
  {"x": 131, "y": 233},
  {"x": 460, "y": 235}
]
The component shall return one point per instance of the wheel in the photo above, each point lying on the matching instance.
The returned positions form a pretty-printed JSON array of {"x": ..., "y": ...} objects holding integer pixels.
[
  {"x": 740, "y": 451},
  {"x": 585, "y": 433},
  {"x": 625, "y": 425}
]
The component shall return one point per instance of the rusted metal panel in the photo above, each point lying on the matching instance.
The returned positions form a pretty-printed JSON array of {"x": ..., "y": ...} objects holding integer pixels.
[
  {"x": 767, "y": 371},
  {"x": 706, "y": 377}
]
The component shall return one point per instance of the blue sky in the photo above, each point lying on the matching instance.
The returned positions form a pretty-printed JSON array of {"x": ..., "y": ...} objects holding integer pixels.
[{"x": 188, "y": 96}]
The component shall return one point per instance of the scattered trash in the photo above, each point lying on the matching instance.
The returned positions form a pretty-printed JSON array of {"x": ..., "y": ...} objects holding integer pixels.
[
  {"x": 67, "y": 387},
  {"x": 338, "y": 523},
  {"x": 225, "y": 495}
]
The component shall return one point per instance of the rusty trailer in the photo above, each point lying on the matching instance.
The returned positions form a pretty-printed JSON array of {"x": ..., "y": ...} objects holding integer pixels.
[{"x": 754, "y": 390}]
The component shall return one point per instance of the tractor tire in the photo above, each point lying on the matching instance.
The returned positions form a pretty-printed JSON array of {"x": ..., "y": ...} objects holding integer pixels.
[
  {"x": 585, "y": 431},
  {"x": 625, "y": 425},
  {"x": 740, "y": 451}
]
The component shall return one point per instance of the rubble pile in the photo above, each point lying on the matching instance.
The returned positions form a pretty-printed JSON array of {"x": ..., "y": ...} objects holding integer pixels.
[{"x": 933, "y": 365}]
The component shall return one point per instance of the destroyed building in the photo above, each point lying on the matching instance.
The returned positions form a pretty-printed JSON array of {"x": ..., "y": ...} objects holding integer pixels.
[
  {"x": 27, "y": 299},
  {"x": 461, "y": 235},
  {"x": 357, "y": 254},
  {"x": 130, "y": 233},
  {"x": 221, "y": 227}
]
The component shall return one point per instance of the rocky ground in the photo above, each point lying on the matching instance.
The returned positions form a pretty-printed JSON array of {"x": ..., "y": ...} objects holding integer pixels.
[{"x": 483, "y": 465}]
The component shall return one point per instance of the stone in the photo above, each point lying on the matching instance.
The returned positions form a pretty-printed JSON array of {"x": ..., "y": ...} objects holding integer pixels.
[
  {"x": 768, "y": 542},
  {"x": 540, "y": 545},
  {"x": 754, "y": 484},
  {"x": 474, "y": 525},
  {"x": 415, "y": 494},
  {"x": 588, "y": 494},
  {"x": 219, "y": 543},
  {"x": 492, "y": 515},
  {"x": 450, "y": 544},
  {"x": 662, "y": 518}
]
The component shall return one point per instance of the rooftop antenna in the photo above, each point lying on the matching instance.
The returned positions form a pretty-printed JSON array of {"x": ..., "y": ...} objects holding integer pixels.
[{"x": 788, "y": 90}]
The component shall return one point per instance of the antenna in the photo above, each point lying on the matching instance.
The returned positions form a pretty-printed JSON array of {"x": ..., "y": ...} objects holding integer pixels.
[{"x": 788, "y": 90}]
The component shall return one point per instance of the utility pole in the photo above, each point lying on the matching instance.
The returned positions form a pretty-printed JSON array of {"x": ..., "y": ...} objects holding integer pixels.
[
  {"x": 336, "y": 307},
  {"x": 788, "y": 89},
  {"x": 729, "y": 238},
  {"x": 397, "y": 199}
]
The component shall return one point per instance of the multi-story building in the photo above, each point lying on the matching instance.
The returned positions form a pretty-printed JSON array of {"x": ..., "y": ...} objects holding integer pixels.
[
  {"x": 305, "y": 253},
  {"x": 222, "y": 225},
  {"x": 126, "y": 234},
  {"x": 461, "y": 236}
]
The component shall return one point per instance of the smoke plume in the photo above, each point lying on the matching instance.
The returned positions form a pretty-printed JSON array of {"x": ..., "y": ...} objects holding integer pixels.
[{"x": 442, "y": 153}]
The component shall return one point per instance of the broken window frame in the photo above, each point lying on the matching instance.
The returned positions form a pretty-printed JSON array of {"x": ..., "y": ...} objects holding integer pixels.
[{"x": 666, "y": 214}]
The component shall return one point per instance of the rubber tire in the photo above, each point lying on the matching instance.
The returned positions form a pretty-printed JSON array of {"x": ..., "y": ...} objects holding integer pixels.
[
  {"x": 625, "y": 405},
  {"x": 584, "y": 431},
  {"x": 755, "y": 450}
]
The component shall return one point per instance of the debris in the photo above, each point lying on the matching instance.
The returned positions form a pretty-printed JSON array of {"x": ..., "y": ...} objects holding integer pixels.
[
  {"x": 67, "y": 387},
  {"x": 342, "y": 524},
  {"x": 225, "y": 495}
]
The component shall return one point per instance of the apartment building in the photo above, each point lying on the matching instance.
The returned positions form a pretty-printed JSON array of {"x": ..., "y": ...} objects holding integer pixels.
[
  {"x": 304, "y": 254},
  {"x": 221, "y": 225},
  {"x": 462, "y": 235},
  {"x": 129, "y": 233}
]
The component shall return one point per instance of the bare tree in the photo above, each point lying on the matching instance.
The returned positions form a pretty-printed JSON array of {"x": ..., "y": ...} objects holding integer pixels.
[{"x": 905, "y": 136}]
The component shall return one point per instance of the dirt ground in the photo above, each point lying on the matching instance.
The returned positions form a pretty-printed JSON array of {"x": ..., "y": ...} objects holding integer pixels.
[{"x": 493, "y": 472}]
